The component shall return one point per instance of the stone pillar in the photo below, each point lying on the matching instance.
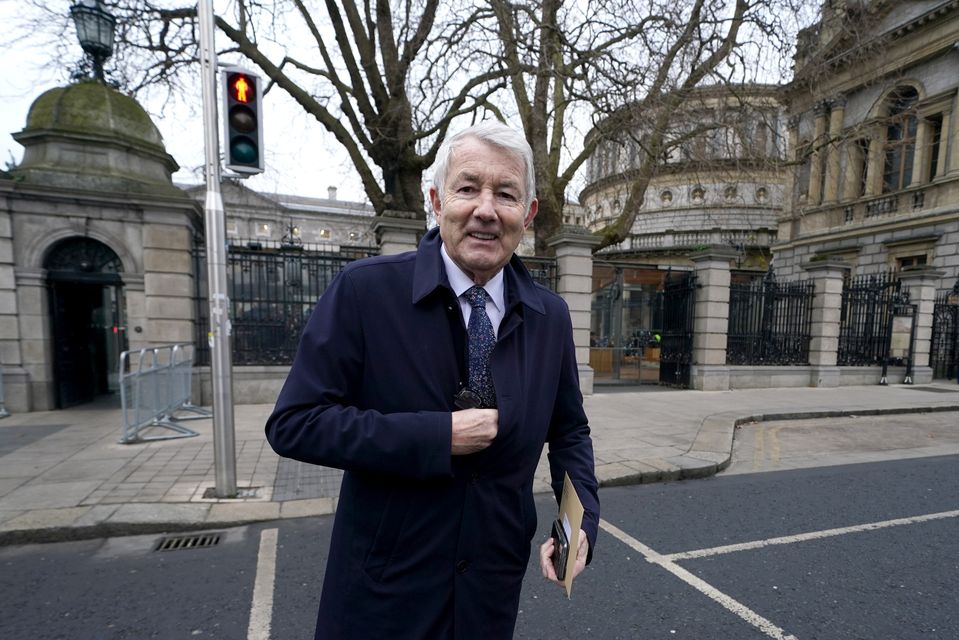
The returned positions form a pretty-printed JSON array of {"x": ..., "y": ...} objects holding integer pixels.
[
  {"x": 950, "y": 135},
  {"x": 922, "y": 157},
  {"x": 574, "y": 262},
  {"x": 397, "y": 231},
  {"x": 874, "y": 164},
  {"x": 789, "y": 221},
  {"x": 921, "y": 283},
  {"x": 827, "y": 276},
  {"x": 36, "y": 347},
  {"x": 168, "y": 283},
  {"x": 14, "y": 396},
  {"x": 711, "y": 319},
  {"x": 832, "y": 150},
  {"x": 943, "y": 144},
  {"x": 816, "y": 161}
]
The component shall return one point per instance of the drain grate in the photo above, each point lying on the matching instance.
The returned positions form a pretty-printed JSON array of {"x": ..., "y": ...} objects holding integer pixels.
[{"x": 198, "y": 541}]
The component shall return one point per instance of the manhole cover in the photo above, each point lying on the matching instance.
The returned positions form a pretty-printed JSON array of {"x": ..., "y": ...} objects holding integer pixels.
[{"x": 196, "y": 541}]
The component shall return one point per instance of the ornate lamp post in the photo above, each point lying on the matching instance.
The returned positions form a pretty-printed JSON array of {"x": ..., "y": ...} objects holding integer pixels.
[{"x": 95, "y": 31}]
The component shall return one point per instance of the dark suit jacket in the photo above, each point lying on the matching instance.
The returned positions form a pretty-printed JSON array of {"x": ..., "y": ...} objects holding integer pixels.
[{"x": 426, "y": 545}]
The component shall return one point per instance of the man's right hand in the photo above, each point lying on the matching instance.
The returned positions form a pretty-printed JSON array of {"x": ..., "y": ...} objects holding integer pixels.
[{"x": 473, "y": 430}]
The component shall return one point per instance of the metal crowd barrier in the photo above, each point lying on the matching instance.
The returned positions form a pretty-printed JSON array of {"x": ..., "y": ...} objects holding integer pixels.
[{"x": 155, "y": 384}]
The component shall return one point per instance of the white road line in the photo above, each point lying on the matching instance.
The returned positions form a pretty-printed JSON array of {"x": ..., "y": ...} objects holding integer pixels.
[
  {"x": 813, "y": 535},
  {"x": 261, "y": 613},
  {"x": 699, "y": 584}
]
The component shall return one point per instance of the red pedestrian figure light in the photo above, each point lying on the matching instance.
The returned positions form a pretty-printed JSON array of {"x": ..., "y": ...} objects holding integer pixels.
[{"x": 241, "y": 88}]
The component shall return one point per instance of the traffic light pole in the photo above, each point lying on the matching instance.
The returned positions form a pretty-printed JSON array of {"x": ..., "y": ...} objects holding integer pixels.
[{"x": 221, "y": 363}]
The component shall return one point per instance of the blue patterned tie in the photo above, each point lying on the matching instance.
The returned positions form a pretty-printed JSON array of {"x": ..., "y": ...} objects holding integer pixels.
[{"x": 481, "y": 341}]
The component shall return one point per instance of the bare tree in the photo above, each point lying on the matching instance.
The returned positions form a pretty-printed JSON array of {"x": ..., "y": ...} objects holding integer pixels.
[
  {"x": 386, "y": 79},
  {"x": 625, "y": 63}
]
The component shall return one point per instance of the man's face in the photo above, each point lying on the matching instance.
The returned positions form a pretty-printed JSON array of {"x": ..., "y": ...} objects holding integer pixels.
[{"x": 481, "y": 213}]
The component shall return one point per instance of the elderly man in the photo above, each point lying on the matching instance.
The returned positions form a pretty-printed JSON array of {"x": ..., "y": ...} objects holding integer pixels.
[{"x": 434, "y": 378}]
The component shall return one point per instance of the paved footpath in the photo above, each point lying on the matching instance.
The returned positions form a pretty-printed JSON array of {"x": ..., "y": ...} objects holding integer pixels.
[{"x": 64, "y": 475}]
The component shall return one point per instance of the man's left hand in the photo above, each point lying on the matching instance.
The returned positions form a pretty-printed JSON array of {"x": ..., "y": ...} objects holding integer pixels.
[{"x": 546, "y": 558}]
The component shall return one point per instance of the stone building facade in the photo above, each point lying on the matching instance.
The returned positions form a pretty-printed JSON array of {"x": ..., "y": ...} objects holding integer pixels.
[
  {"x": 874, "y": 134},
  {"x": 720, "y": 183}
]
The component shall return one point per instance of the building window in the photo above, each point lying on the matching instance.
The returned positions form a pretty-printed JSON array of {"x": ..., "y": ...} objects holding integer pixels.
[
  {"x": 324, "y": 234},
  {"x": 935, "y": 126},
  {"x": 262, "y": 230},
  {"x": 231, "y": 228},
  {"x": 910, "y": 261},
  {"x": 900, "y": 139}
]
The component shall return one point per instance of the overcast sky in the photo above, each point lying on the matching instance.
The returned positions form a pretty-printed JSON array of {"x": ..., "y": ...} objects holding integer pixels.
[{"x": 301, "y": 158}]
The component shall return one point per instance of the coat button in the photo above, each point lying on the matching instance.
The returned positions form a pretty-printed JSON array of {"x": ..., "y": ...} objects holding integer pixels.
[{"x": 462, "y": 566}]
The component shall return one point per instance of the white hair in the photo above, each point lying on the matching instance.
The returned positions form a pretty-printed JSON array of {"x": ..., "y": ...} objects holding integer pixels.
[{"x": 498, "y": 135}]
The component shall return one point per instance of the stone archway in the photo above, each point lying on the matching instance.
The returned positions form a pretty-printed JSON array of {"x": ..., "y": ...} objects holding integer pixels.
[{"x": 87, "y": 318}]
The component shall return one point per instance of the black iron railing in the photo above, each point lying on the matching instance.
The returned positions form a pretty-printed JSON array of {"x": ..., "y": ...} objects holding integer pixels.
[
  {"x": 272, "y": 289},
  {"x": 865, "y": 322},
  {"x": 769, "y": 322},
  {"x": 944, "y": 355},
  {"x": 542, "y": 269}
]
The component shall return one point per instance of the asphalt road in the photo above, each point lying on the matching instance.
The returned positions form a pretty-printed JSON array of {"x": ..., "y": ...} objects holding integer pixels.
[{"x": 843, "y": 551}]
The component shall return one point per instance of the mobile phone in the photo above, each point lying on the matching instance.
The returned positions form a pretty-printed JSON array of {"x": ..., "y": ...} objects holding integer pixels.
[{"x": 560, "y": 549}]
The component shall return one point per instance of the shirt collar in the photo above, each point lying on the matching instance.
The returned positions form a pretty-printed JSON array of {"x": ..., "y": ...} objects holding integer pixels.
[{"x": 460, "y": 282}]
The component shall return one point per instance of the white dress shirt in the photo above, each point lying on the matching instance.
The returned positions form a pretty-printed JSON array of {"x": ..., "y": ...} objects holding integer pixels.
[{"x": 460, "y": 282}]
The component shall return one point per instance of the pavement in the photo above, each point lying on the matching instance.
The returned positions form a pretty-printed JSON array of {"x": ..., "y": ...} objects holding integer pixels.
[{"x": 64, "y": 474}]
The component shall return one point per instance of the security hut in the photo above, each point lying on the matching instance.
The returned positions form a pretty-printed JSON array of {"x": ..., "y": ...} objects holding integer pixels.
[{"x": 94, "y": 247}]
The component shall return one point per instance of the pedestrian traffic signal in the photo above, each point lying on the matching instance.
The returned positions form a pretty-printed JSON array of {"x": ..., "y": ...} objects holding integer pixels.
[{"x": 242, "y": 115}]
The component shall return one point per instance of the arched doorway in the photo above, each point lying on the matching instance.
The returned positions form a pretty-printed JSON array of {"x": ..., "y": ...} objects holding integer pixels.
[{"x": 87, "y": 319}]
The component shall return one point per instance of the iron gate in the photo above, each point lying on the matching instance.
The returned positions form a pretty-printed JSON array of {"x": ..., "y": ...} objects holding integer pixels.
[
  {"x": 865, "y": 321},
  {"x": 944, "y": 356},
  {"x": 676, "y": 336}
]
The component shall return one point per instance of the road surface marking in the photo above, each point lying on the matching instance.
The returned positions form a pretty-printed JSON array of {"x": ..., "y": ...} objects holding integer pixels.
[
  {"x": 261, "y": 613},
  {"x": 813, "y": 535},
  {"x": 699, "y": 584}
]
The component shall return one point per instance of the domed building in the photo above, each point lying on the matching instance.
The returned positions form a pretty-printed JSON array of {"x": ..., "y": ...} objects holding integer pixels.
[
  {"x": 719, "y": 183},
  {"x": 95, "y": 245}
]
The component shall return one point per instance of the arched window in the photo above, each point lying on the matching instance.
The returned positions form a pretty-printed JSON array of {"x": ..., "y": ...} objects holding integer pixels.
[{"x": 900, "y": 139}]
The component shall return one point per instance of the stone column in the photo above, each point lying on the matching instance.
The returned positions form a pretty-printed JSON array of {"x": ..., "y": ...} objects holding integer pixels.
[
  {"x": 711, "y": 319},
  {"x": 816, "y": 161},
  {"x": 921, "y": 282},
  {"x": 950, "y": 135},
  {"x": 922, "y": 157},
  {"x": 397, "y": 231},
  {"x": 832, "y": 150},
  {"x": 574, "y": 262},
  {"x": 944, "y": 144},
  {"x": 827, "y": 276},
  {"x": 874, "y": 163},
  {"x": 789, "y": 221}
]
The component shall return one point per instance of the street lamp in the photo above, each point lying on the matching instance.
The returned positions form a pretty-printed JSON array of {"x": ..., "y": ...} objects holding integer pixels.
[{"x": 95, "y": 31}]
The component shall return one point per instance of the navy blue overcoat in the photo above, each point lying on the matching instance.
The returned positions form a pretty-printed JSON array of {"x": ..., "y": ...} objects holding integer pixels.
[{"x": 426, "y": 545}]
